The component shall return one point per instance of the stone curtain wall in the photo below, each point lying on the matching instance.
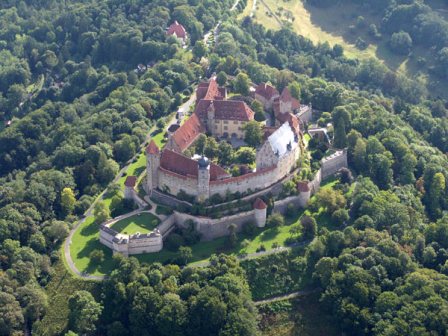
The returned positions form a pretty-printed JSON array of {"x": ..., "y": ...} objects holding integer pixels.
[
  {"x": 242, "y": 184},
  {"x": 168, "y": 200},
  {"x": 167, "y": 225},
  {"x": 176, "y": 183},
  {"x": 215, "y": 228},
  {"x": 333, "y": 163},
  {"x": 314, "y": 185}
]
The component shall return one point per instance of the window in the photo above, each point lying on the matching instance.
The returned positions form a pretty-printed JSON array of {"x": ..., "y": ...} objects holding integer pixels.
[
  {"x": 235, "y": 122},
  {"x": 226, "y": 121},
  {"x": 225, "y": 128}
]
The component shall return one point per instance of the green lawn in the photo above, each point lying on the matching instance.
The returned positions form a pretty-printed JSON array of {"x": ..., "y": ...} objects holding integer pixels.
[
  {"x": 84, "y": 241},
  {"x": 143, "y": 223}
]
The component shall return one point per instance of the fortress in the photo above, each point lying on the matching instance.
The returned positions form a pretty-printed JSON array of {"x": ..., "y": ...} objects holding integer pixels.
[{"x": 172, "y": 172}]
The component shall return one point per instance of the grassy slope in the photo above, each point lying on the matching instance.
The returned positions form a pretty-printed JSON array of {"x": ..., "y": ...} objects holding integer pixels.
[
  {"x": 332, "y": 25},
  {"x": 142, "y": 223}
]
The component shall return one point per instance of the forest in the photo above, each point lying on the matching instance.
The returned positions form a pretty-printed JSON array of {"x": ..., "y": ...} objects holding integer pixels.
[{"x": 74, "y": 110}]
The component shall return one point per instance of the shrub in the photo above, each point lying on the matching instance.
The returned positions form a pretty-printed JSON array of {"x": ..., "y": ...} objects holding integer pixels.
[
  {"x": 276, "y": 220},
  {"x": 261, "y": 248},
  {"x": 96, "y": 256},
  {"x": 291, "y": 210},
  {"x": 309, "y": 227},
  {"x": 249, "y": 228}
]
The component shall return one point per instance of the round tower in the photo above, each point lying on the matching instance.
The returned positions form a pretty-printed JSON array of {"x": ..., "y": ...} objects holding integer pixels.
[
  {"x": 260, "y": 209},
  {"x": 203, "y": 179},
  {"x": 152, "y": 166}
]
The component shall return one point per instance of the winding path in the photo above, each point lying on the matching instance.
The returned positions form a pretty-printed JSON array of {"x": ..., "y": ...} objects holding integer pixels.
[{"x": 68, "y": 258}]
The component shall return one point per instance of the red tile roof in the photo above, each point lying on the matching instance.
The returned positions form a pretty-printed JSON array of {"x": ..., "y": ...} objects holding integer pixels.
[
  {"x": 152, "y": 148},
  {"x": 178, "y": 163},
  {"x": 225, "y": 110},
  {"x": 176, "y": 29},
  {"x": 267, "y": 91},
  {"x": 188, "y": 132},
  {"x": 210, "y": 91},
  {"x": 131, "y": 181},
  {"x": 303, "y": 186},
  {"x": 286, "y": 97},
  {"x": 217, "y": 172},
  {"x": 182, "y": 165},
  {"x": 291, "y": 119},
  {"x": 259, "y": 204}
]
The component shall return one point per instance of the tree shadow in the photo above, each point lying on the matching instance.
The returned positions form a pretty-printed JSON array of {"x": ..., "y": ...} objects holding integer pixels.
[
  {"x": 269, "y": 234},
  {"x": 90, "y": 229},
  {"x": 94, "y": 244},
  {"x": 139, "y": 170},
  {"x": 157, "y": 131}
]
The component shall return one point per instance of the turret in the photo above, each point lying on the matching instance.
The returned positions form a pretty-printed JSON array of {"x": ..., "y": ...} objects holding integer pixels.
[
  {"x": 152, "y": 166},
  {"x": 260, "y": 209},
  {"x": 211, "y": 118},
  {"x": 203, "y": 179},
  {"x": 129, "y": 186}
]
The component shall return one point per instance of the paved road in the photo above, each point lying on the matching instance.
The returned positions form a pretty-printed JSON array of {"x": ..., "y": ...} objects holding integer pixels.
[{"x": 287, "y": 296}]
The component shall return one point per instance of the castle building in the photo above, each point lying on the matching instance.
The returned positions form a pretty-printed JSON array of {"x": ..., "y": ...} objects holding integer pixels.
[
  {"x": 285, "y": 103},
  {"x": 172, "y": 172},
  {"x": 266, "y": 94},
  {"x": 178, "y": 31},
  {"x": 221, "y": 117}
]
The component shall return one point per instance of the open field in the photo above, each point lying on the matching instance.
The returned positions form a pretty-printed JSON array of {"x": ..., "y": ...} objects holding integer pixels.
[
  {"x": 338, "y": 25},
  {"x": 143, "y": 223}
]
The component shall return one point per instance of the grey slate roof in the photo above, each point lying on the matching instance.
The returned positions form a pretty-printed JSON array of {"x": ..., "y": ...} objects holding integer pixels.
[{"x": 282, "y": 140}]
